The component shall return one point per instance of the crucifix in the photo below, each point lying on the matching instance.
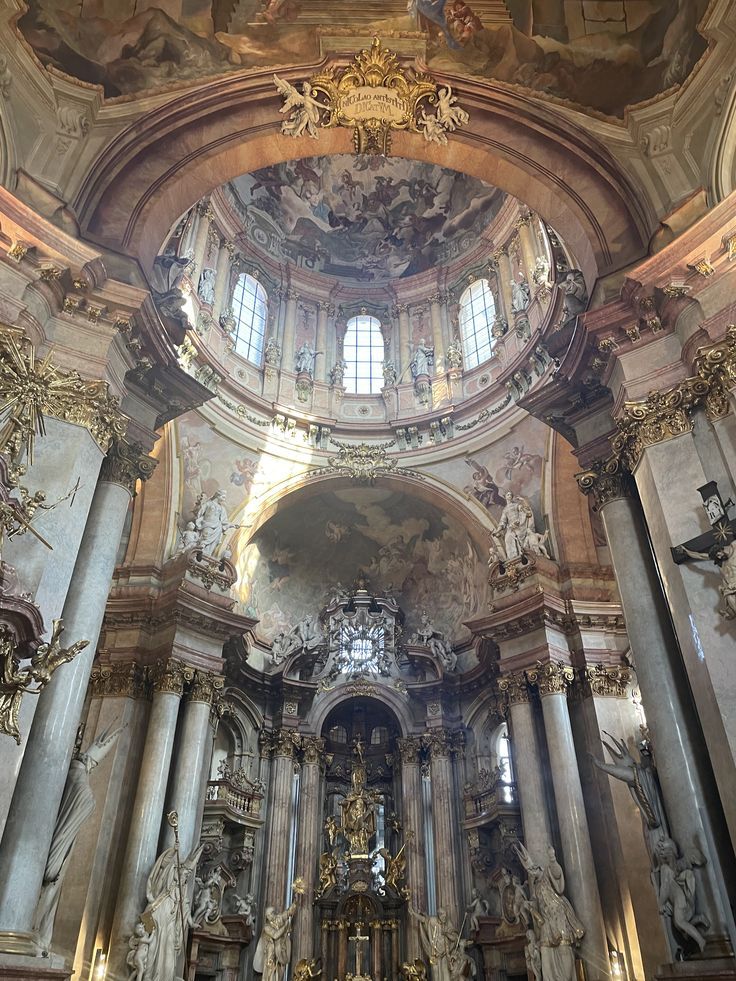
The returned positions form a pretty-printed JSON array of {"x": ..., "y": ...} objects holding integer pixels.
[
  {"x": 716, "y": 545},
  {"x": 358, "y": 940}
]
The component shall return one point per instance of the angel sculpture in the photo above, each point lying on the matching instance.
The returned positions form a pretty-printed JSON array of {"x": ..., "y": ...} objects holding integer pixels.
[
  {"x": 15, "y": 680},
  {"x": 303, "y": 107},
  {"x": 305, "y": 969},
  {"x": 449, "y": 114},
  {"x": 432, "y": 128},
  {"x": 676, "y": 889}
]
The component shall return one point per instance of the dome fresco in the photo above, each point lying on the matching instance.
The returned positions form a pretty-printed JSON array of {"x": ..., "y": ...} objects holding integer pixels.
[{"x": 366, "y": 218}]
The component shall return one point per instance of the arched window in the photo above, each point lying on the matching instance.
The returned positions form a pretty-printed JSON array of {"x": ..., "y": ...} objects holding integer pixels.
[
  {"x": 477, "y": 313},
  {"x": 363, "y": 351},
  {"x": 250, "y": 309},
  {"x": 503, "y": 761}
]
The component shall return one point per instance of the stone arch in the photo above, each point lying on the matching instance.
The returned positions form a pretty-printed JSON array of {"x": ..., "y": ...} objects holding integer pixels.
[
  {"x": 389, "y": 698},
  {"x": 177, "y": 153}
]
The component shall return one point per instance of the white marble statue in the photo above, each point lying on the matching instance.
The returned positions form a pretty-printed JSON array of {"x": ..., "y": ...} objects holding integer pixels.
[
  {"x": 211, "y": 521},
  {"x": 245, "y": 906},
  {"x": 449, "y": 113},
  {"x": 207, "y": 898},
  {"x": 475, "y": 908},
  {"x": 390, "y": 375},
  {"x": 520, "y": 295},
  {"x": 575, "y": 291},
  {"x": 454, "y": 354},
  {"x": 533, "y": 956},
  {"x": 724, "y": 556},
  {"x": 169, "y": 913},
  {"x": 77, "y": 804},
  {"x": 435, "y": 933},
  {"x": 337, "y": 372},
  {"x": 166, "y": 276},
  {"x": 676, "y": 891},
  {"x": 273, "y": 951},
  {"x": 438, "y": 646},
  {"x": 540, "y": 275},
  {"x": 307, "y": 633},
  {"x": 462, "y": 967},
  {"x": 302, "y": 108},
  {"x": 282, "y": 646},
  {"x": 206, "y": 287},
  {"x": 305, "y": 358},
  {"x": 514, "y": 525},
  {"x": 137, "y": 957},
  {"x": 422, "y": 359},
  {"x": 188, "y": 538},
  {"x": 556, "y": 926},
  {"x": 272, "y": 352}
]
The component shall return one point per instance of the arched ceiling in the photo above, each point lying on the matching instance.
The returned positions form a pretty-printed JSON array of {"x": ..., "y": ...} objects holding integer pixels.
[
  {"x": 372, "y": 218},
  {"x": 599, "y": 55}
]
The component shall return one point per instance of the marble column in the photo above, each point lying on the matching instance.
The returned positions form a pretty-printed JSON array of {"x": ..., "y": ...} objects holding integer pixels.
[
  {"x": 376, "y": 948},
  {"x": 308, "y": 842},
  {"x": 678, "y": 745},
  {"x": 192, "y": 749},
  {"x": 285, "y": 742},
  {"x": 582, "y": 886},
  {"x": 444, "y": 832},
  {"x": 29, "y": 828},
  {"x": 404, "y": 352},
  {"x": 526, "y": 239},
  {"x": 412, "y": 819},
  {"x": 324, "y": 361},
  {"x": 435, "y": 315},
  {"x": 503, "y": 265},
  {"x": 142, "y": 849},
  {"x": 222, "y": 281},
  {"x": 287, "y": 346},
  {"x": 674, "y": 514},
  {"x": 527, "y": 761}
]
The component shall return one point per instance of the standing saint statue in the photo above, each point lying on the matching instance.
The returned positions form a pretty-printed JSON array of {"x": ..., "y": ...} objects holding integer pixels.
[
  {"x": 421, "y": 360},
  {"x": 305, "y": 358},
  {"x": 273, "y": 951},
  {"x": 77, "y": 804},
  {"x": 514, "y": 526},
  {"x": 435, "y": 933},
  {"x": 211, "y": 521}
]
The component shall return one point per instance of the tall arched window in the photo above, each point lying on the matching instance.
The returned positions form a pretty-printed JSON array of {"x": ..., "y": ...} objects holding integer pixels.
[
  {"x": 363, "y": 351},
  {"x": 250, "y": 309},
  {"x": 477, "y": 313}
]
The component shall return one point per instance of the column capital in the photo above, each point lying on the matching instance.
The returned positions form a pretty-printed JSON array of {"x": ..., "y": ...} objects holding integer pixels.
[
  {"x": 206, "y": 687},
  {"x": 170, "y": 676},
  {"x": 442, "y": 743},
  {"x": 291, "y": 294},
  {"x": 121, "y": 679},
  {"x": 125, "y": 464},
  {"x": 606, "y": 480},
  {"x": 409, "y": 748},
  {"x": 551, "y": 677},
  {"x": 514, "y": 688},
  {"x": 285, "y": 742},
  {"x": 313, "y": 748},
  {"x": 606, "y": 682}
]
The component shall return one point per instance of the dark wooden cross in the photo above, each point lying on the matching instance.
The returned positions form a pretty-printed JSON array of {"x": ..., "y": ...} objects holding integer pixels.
[{"x": 722, "y": 529}]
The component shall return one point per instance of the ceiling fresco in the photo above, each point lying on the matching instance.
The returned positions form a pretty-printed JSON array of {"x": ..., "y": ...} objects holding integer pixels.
[
  {"x": 369, "y": 217},
  {"x": 598, "y": 54},
  {"x": 405, "y": 545}
]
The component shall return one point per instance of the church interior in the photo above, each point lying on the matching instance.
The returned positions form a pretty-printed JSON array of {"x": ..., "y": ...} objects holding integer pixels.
[{"x": 368, "y": 490}]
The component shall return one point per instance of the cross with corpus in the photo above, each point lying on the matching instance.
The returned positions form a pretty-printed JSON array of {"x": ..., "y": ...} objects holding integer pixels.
[
  {"x": 358, "y": 940},
  {"x": 718, "y": 545}
]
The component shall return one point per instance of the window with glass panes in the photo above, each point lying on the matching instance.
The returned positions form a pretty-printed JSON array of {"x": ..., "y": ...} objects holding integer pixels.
[
  {"x": 363, "y": 351},
  {"x": 250, "y": 309},
  {"x": 477, "y": 313}
]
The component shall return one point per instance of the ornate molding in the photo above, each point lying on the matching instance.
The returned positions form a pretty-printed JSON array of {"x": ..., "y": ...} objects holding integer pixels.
[
  {"x": 606, "y": 481},
  {"x": 170, "y": 676},
  {"x": 551, "y": 677},
  {"x": 716, "y": 366},
  {"x": 206, "y": 687},
  {"x": 285, "y": 742},
  {"x": 607, "y": 682},
  {"x": 514, "y": 688},
  {"x": 121, "y": 679},
  {"x": 363, "y": 462},
  {"x": 126, "y": 464},
  {"x": 33, "y": 389},
  {"x": 438, "y": 743}
]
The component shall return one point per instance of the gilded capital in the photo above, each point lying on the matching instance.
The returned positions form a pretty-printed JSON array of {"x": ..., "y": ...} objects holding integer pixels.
[
  {"x": 716, "y": 366},
  {"x": 551, "y": 677},
  {"x": 313, "y": 748},
  {"x": 607, "y": 682},
  {"x": 121, "y": 679},
  {"x": 409, "y": 749},
  {"x": 286, "y": 742},
  {"x": 126, "y": 464},
  {"x": 205, "y": 687},
  {"x": 606, "y": 481},
  {"x": 438, "y": 742},
  {"x": 170, "y": 676},
  {"x": 513, "y": 688}
]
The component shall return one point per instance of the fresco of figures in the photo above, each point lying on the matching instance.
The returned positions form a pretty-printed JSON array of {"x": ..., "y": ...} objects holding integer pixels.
[
  {"x": 602, "y": 56},
  {"x": 404, "y": 545},
  {"x": 393, "y": 217}
]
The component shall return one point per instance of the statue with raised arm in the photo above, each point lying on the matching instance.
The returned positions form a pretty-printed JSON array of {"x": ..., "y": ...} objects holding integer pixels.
[
  {"x": 77, "y": 804},
  {"x": 520, "y": 295},
  {"x": 676, "y": 892},
  {"x": 245, "y": 906},
  {"x": 211, "y": 521},
  {"x": 641, "y": 779},
  {"x": 273, "y": 951},
  {"x": 422, "y": 359},
  {"x": 573, "y": 287},
  {"x": 434, "y": 933},
  {"x": 305, "y": 358},
  {"x": 515, "y": 523},
  {"x": 723, "y": 554},
  {"x": 476, "y": 907}
]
